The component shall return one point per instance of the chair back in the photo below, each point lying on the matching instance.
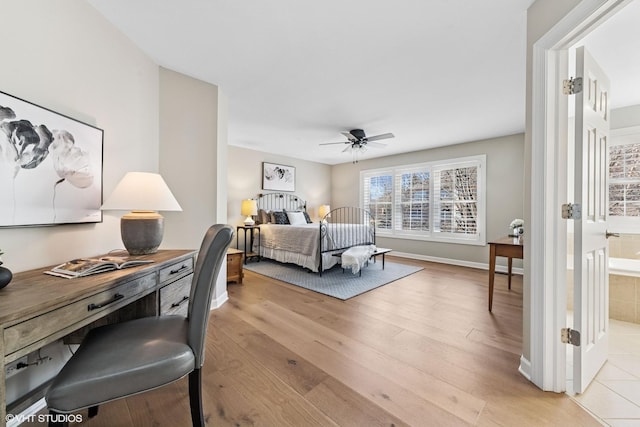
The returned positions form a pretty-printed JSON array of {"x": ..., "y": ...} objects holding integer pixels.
[{"x": 212, "y": 252}]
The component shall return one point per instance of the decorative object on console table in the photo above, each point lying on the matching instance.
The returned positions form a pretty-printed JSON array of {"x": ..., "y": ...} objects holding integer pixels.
[
  {"x": 248, "y": 248},
  {"x": 516, "y": 227},
  {"x": 144, "y": 194},
  {"x": 278, "y": 177},
  {"x": 234, "y": 265},
  {"x": 5, "y": 274},
  {"x": 54, "y": 166},
  {"x": 249, "y": 208}
]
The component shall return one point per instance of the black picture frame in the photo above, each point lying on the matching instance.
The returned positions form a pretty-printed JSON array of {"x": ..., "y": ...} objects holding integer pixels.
[
  {"x": 278, "y": 177},
  {"x": 51, "y": 166}
]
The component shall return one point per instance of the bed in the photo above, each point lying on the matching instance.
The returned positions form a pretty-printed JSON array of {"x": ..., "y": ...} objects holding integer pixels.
[{"x": 287, "y": 238}]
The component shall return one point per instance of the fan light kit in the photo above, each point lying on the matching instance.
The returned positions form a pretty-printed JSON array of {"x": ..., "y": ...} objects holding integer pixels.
[{"x": 358, "y": 142}]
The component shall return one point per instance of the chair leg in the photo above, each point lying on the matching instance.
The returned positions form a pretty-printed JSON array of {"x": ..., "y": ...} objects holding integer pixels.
[
  {"x": 93, "y": 411},
  {"x": 53, "y": 420},
  {"x": 195, "y": 398}
]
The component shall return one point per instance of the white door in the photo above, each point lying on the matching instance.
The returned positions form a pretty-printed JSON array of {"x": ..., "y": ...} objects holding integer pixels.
[{"x": 591, "y": 251}]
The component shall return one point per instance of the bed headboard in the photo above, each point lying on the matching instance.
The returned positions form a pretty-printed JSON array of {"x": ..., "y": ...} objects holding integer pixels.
[{"x": 281, "y": 202}]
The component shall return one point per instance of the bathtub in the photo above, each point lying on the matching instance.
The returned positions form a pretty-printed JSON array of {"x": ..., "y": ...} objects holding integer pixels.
[
  {"x": 624, "y": 289},
  {"x": 624, "y": 267}
]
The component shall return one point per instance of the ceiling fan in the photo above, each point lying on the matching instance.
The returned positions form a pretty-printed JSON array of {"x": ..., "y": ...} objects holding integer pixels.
[{"x": 357, "y": 142}]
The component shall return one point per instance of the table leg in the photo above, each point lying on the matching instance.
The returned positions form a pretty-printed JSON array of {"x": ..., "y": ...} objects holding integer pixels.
[
  {"x": 245, "y": 246},
  {"x": 492, "y": 271},
  {"x": 510, "y": 264}
]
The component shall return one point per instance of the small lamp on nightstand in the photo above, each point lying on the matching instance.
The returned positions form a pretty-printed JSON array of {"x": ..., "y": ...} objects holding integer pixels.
[
  {"x": 323, "y": 211},
  {"x": 143, "y": 194},
  {"x": 249, "y": 207}
]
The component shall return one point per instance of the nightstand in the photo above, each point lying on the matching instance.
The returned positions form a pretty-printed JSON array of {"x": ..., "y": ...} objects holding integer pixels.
[
  {"x": 234, "y": 265},
  {"x": 248, "y": 249}
]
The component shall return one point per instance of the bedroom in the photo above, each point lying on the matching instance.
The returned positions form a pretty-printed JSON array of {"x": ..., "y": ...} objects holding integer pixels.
[{"x": 104, "y": 78}]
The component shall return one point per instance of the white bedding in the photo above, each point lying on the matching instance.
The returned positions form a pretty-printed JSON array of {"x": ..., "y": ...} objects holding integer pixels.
[{"x": 299, "y": 244}]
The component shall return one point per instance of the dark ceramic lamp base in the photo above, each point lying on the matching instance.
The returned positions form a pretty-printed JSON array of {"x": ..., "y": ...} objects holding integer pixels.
[
  {"x": 5, "y": 276},
  {"x": 142, "y": 232}
]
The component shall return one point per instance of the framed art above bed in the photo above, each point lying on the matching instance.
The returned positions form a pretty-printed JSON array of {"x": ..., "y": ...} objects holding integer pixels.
[{"x": 278, "y": 177}]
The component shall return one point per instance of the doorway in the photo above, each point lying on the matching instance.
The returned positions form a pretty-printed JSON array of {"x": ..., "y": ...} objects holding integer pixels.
[{"x": 547, "y": 130}]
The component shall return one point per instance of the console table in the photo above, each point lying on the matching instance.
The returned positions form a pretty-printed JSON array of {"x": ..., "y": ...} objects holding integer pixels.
[
  {"x": 510, "y": 247},
  {"x": 37, "y": 309}
]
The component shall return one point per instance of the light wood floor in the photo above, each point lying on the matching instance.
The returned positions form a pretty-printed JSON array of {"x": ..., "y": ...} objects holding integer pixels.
[{"x": 422, "y": 351}]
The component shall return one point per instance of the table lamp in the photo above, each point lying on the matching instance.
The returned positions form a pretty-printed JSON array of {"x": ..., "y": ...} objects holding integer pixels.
[
  {"x": 143, "y": 194},
  {"x": 249, "y": 207},
  {"x": 323, "y": 211}
]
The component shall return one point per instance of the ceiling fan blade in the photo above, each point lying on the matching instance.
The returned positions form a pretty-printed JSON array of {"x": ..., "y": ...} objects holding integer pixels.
[
  {"x": 379, "y": 137},
  {"x": 376, "y": 144},
  {"x": 333, "y": 143}
]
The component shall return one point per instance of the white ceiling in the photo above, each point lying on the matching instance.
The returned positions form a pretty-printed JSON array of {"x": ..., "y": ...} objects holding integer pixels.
[{"x": 297, "y": 73}]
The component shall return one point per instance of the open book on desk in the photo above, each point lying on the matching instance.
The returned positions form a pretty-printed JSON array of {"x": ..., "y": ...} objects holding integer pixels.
[{"x": 86, "y": 266}]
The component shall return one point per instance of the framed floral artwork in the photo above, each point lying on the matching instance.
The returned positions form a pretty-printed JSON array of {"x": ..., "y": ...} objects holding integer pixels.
[
  {"x": 50, "y": 166},
  {"x": 278, "y": 177}
]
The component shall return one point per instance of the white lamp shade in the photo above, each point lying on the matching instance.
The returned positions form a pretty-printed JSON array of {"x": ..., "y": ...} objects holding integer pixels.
[
  {"x": 141, "y": 191},
  {"x": 323, "y": 210},
  {"x": 249, "y": 207}
]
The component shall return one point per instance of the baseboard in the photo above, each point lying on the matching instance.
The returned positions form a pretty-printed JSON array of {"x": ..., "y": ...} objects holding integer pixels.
[
  {"x": 525, "y": 368},
  {"x": 461, "y": 263},
  {"x": 219, "y": 301}
]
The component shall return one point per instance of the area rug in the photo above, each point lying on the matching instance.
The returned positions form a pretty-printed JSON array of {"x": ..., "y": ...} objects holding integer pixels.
[{"x": 334, "y": 282}]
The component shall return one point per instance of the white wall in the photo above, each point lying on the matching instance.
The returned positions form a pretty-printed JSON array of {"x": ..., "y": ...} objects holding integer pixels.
[
  {"x": 63, "y": 55},
  {"x": 504, "y": 193},
  {"x": 193, "y": 162},
  {"x": 313, "y": 180}
]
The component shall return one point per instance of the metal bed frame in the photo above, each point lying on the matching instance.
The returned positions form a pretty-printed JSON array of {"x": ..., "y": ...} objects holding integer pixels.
[{"x": 363, "y": 233}]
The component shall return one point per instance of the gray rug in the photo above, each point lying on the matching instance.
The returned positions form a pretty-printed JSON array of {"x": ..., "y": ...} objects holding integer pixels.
[{"x": 334, "y": 282}]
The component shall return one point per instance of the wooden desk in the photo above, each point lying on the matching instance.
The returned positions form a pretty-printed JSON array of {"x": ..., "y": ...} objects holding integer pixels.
[
  {"x": 509, "y": 247},
  {"x": 37, "y": 309}
]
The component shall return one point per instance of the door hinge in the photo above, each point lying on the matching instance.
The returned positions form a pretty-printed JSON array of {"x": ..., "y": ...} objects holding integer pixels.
[
  {"x": 571, "y": 211},
  {"x": 572, "y": 86},
  {"x": 570, "y": 336}
]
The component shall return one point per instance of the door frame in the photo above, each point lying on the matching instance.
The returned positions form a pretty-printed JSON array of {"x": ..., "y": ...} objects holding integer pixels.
[{"x": 547, "y": 254}]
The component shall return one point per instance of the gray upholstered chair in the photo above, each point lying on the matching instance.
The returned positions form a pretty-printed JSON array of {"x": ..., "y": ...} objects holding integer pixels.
[{"x": 124, "y": 359}]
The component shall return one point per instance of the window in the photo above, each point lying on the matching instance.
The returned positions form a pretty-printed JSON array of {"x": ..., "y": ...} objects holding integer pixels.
[
  {"x": 442, "y": 201},
  {"x": 624, "y": 180}
]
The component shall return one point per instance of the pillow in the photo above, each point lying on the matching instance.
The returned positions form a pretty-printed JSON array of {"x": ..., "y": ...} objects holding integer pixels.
[
  {"x": 263, "y": 217},
  {"x": 279, "y": 217},
  {"x": 296, "y": 218},
  {"x": 306, "y": 217}
]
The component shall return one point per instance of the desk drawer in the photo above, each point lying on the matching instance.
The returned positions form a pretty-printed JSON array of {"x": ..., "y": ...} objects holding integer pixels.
[
  {"x": 40, "y": 327},
  {"x": 174, "y": 298},
  {"x": 176, "y": 270}
]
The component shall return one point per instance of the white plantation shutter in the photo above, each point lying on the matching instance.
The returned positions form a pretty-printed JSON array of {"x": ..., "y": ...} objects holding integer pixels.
[
  {"x": 377, "y": 192},
  {"x": 456, "y": 201},
  {"x": 412, "y": 200},
  {"x": 440, "y": 201}
]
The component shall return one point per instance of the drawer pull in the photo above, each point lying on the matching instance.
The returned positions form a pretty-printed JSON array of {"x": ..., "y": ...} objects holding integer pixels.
[
  {"x": 116, "y": 297},
  {"x": 179, "y": 270},
  {"x": 179, "y": 303}
]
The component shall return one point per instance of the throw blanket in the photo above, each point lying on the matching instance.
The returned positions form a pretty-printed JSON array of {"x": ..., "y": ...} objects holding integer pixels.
[
  {"x": 292, "y": 238},
  {"x": 355, "y": 257}
]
